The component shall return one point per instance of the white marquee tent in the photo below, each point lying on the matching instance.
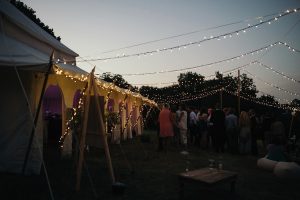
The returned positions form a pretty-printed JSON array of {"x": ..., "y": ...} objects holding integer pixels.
[{"x": 25, "y": 51}]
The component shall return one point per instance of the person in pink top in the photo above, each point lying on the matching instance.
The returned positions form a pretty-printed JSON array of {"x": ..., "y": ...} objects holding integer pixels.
[{"x": 166, "y": 126}]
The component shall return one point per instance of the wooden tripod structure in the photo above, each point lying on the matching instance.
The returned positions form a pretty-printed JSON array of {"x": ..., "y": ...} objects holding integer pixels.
[{"x": 92, "y": 88}]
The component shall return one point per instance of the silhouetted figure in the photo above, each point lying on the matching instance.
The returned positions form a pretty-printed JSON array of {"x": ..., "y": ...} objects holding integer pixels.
[
  {"x": 231, "y": 124},
  {"x": 218, "y": 129},
  {"x": 245, "y": 133},
  {"x": 254, "y": 132}
]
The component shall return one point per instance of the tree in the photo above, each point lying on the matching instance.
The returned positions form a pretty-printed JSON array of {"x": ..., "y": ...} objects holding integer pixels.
[
  {"x": 190, "y": 82},
  {"x": 248, "y": 88},
  {"x": 296, "y": 103},
  {"x": 268, "y": 99},
  {"x": 118, "y": 80},
  {"x": 30, "y": 13}
]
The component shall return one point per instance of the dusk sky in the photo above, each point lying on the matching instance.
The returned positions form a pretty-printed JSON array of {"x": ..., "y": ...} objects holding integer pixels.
[{"x": 92, "y": 28}]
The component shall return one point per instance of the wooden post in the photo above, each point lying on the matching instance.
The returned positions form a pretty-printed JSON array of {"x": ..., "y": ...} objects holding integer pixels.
[
  {"x": 221, "y": 98},
  {"x": 84, "y": 129},
  {"x": 37, "y": 113},
  {"x": 102, "y": 133},
  {"x": 238, "y": 94}
]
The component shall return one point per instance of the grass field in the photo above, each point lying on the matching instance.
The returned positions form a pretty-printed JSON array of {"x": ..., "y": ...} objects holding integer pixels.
[{"x": 148, "y": 174}]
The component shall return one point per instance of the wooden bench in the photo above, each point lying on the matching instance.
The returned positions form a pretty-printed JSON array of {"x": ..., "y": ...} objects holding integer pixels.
[{"x": 206, "y": 177}]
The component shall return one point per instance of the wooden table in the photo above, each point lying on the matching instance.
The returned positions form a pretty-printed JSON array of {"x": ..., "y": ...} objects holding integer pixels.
[{"x": 206, "y": 177}]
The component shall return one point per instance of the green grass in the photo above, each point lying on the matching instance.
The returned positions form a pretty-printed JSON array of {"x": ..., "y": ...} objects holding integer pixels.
[{"x": 148, "y": 174}]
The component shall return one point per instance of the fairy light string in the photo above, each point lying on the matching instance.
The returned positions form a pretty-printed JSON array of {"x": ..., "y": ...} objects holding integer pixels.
[
  {"x": 74, "y": 78},
  {"x": 174, "y": 98},
  {"x": 147, "y": 115},
  {"x": 140, "y": 116},
  {"x": 209, "y": 77},
  {"x": 276, "y": 98},
  {"x": 105, "y": 86},
  {"x": 277, "y": 72},
  {"x": 272, "y": 85},
  {"x": 264, "y": 48},
  {"x": 205, "y": 39},
  {"x": 76, "y": 112},
  {"x": 254, "y": 100},
  {"x": 192, "y": 32}
]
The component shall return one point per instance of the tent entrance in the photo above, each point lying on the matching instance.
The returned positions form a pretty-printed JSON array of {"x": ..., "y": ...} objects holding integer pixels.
[{"x": 52, "y": 116}]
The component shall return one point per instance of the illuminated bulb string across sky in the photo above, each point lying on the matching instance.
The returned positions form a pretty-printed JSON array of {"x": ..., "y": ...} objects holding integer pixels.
[{"x": 205, "y": 39}]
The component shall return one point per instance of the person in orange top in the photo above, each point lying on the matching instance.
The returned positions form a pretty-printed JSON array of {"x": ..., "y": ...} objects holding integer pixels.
[{"x": 166, "y": 126}]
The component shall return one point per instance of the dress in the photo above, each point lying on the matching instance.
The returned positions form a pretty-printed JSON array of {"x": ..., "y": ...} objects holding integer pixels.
[
  {"x": 245, "y": 140},
  {"x": 166, "y": 126},
  {"x": 183, "y": 127}
]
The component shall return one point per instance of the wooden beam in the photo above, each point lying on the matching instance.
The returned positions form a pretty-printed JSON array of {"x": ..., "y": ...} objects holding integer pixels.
[
  {"x": 102, "y": 133},
  {"x": 37, "y": 113},
  {"x": 238, "y": 94},
  {"x": 84, "y": 130}
]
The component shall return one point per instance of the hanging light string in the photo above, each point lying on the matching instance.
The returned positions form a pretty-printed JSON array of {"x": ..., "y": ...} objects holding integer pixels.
[
  {"x": 201, "y": 94},
  {"x": 153, "y": 84},
  {"x": 277, "y": 72},
  {"x": 254, "y": 100},
  {"x": 205, "y": 39},
  {"x": 122, "y": 108},
  {"x": 182, "y": 97},
  {"x": 213, "y": 90},
  {"x": 128, "y": 118},
  {"x": 289, "y": 47},
  {"x": 272, "y": 85},
  {"x": 139, "y": 117},
  {"x": 264, "y": 48},
  {"x": 70, "y": 122},
  {"x": 74, "y": 78},
  {"x": 147, "y": 115},
  {"x": 246, "y": 65},
  {"x": 174, "y": 83},
  {"x": 276, "y": 98},
  {"x": 100, "y": 83},
  {"x": 190, "y": 33}
]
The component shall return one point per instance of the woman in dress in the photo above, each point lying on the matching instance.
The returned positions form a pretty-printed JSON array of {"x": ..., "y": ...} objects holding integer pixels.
[{"x": 245, "y": 133}]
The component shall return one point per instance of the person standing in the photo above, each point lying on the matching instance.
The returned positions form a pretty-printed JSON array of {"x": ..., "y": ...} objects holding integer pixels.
[
  {"x": 209, "y": 127},
  {"x": 203, "y": 130},
  {"x": 166, "y": 126},
  {"x": 173, "y": 117},
  {"x": 193, "y": 127},
  {"x": 182, "y": 124},
  {"x": 231, "y": 124},
  {"x": 245, "y": 133},
  {"x": 218, "y": 129},
  {"x": 254, "y": 132}
]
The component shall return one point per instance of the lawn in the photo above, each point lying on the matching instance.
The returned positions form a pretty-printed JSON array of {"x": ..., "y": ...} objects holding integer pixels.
[{"x": 148, "y": 174}]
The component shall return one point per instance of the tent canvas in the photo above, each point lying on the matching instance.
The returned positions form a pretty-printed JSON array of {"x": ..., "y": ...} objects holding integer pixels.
[{"x": 24, "y": 58}]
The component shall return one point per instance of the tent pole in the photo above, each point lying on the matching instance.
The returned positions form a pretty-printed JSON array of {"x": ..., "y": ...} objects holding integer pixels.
[
  {"x": 37, "y": 112},
  {"x": 238, "y": 94},
  {"x": 102, "y": 133},
  {"x": 84, "y": 130}
]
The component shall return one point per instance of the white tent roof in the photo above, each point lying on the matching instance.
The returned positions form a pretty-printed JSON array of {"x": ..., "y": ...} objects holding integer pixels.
[
  {"x": 16, "y": 53},
  {"x": 11, "y": 13}
]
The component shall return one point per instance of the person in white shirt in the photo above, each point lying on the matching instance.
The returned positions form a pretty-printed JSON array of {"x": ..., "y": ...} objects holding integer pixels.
[
  {"x": 193, "y": 125},
  {"x": 182, "y": 123}
]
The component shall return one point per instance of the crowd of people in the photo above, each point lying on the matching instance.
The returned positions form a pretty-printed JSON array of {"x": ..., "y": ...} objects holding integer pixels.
[{"x": 219, "y": 129}]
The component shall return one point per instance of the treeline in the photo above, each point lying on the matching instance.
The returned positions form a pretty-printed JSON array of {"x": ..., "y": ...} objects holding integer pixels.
[{"x": 30, "y": 13}]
